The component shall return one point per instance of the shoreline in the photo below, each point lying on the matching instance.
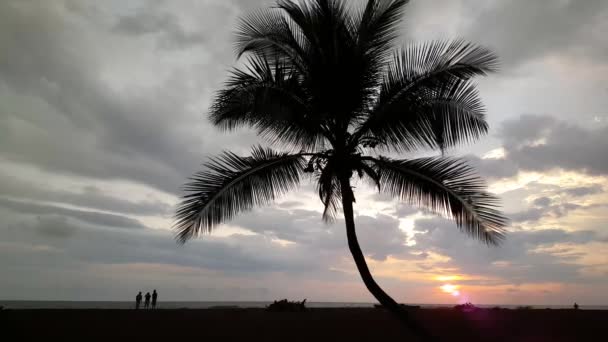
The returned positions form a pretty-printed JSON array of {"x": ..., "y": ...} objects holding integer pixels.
[{"x": 126, "y": 305}]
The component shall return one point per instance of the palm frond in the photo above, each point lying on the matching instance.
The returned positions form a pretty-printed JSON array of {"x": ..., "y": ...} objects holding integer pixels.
[
  {"x": 270, "y": 99},
  {"x": 378, "y": 28},
  {"x": 328, "y": 186},
  {"x": 231, "y": 184},
  {"x": 458, "y": 115},
  {"x": 430, "y": 118},
  {"x": 321, "y": 22},
  {"x": 446, "y": 186},
  {"x": 434, "y": 62},
  {"x": 427, "y": 99},
  {"x": 337, "y": 74},
  {"x": 270, "y": 34},
  {"x": 365, "y": 169}
]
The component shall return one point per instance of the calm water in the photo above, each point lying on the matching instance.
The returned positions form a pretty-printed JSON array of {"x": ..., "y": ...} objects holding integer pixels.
[
  {"x": 8, "y": 304},
  {"x": 161, "y": 305}
]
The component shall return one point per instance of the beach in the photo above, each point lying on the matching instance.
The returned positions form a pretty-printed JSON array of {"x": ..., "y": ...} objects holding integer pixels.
[{"x": 352, "y": 324}]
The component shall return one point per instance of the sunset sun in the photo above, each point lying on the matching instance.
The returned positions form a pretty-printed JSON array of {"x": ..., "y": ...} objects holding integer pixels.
[{"x": 450, "y": 289}]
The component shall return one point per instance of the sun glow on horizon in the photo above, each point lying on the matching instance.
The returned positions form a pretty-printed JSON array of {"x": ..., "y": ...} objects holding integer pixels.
[
  {"x": 448, "y": 278},
  {"x": 450, "y": 289}
]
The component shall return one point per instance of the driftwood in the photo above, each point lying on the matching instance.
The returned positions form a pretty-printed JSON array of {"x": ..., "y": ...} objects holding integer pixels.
[{"x": 287, "y": 306}]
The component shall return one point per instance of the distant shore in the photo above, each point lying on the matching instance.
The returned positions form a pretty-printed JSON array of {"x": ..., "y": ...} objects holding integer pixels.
[
  {"x": 352, "y": 324},
  {"x": 31, "y": 304}
]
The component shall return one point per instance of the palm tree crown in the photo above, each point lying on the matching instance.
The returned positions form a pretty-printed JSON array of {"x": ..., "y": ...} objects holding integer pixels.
[{"x": 332, "y": 88}]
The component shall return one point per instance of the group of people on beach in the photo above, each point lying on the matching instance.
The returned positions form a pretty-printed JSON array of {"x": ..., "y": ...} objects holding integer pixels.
[{"x": 138, "y": 298}]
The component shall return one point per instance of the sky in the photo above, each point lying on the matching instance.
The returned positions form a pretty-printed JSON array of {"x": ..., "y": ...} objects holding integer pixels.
[{"x": 103, "y": 116}]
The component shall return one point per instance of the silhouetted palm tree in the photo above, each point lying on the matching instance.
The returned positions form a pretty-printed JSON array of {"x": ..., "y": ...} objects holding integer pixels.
[{"x": 329, "y": 86}]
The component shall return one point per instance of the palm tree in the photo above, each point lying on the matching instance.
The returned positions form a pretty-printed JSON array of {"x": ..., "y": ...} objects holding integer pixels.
[{"x": 331, "y": 89}]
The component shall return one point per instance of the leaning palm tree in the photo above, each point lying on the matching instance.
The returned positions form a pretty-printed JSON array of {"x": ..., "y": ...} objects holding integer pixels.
[{"x": 329, "y": 87}]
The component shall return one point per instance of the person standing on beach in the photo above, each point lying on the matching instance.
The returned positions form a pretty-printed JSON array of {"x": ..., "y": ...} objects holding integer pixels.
[
  {"x": 154, "y": 296},
  {"x": 138, "y": 301},
  {"x": 147, "y": 302}
]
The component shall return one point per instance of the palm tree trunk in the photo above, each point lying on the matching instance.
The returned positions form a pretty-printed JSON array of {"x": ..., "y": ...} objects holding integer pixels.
[{"x": 373, "y": 287}]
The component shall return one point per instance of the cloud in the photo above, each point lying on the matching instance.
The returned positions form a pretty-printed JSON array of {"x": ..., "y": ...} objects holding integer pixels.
[
  {"x": 492, "y": 168},
  {"x": 406, "y": 209},
  {"x": 149, "y": 20},
  {"x": 542, "y": 202},
  {"x": 524, "y": 31},
  {"x": 92, "y": 217},
  {"x": 107, "y": 103},
  {"x": 517, "y": 260},
  {"x": 584, "y": 191},
  {"x": 55, "y": 226},
  {"x": 520, "y": 32},
  {"x": 543, "y": 143},
  {"x": 379, "y": 236},
  {"x": 540, "y": 143},
  {"x": 94, "y": 243},
  {"x": 554, "y": 211},
  {"x": 153, "y": 133},
  {"x": 87, "y": 197}
]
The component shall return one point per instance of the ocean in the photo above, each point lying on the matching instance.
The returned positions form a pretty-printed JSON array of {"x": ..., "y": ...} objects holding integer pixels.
[{"x": 24, "y": 304}]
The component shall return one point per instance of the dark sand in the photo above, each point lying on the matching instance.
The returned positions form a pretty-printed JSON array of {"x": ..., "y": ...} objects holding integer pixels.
[{"x": 313, "y": 325}]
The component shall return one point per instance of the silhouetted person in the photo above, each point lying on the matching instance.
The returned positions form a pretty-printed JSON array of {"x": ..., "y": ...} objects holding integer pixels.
[
  {"x": 138, "y": 300},
  {"x": 154, "y": 296},
  {"x": 147, "y": 302},
  {"x": 575, "y": 306}
]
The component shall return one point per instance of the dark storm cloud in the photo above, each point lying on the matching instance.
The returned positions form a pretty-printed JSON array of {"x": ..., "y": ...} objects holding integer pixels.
[
  {"x": 521, "y": 31},
  {"x": 145, "y": 135},
  {"x": 542, "y": 143},
  {"x": 560, "y": 145},
  {"x": 81, "y": 106}
]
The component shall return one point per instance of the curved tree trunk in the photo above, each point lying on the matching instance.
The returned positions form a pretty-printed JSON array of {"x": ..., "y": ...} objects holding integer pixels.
[{"x": 373, "y": 287}]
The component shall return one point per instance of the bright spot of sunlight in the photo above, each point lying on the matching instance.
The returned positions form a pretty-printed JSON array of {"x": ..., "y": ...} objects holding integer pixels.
[
  {"x": 450, "y": 289},
  {"x": 445, "y": 278},
  {"x": 499, "y": 153}
]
